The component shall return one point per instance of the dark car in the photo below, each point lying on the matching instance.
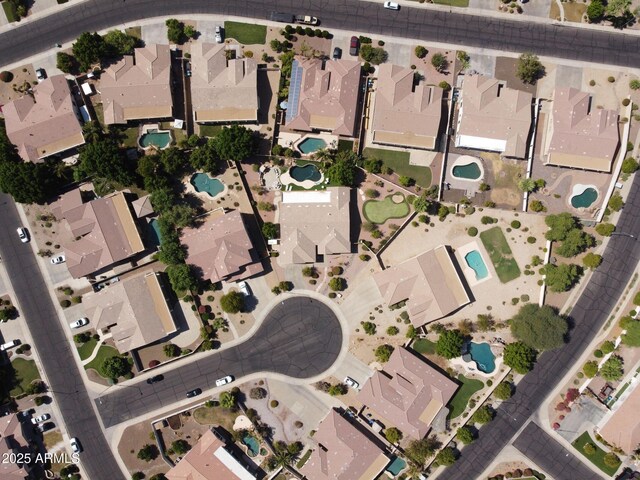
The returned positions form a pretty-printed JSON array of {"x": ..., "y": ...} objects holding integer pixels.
[
  {"x": 353, "y": 46},
  {"x": 337, "y": 53},
  {"x": 45, "y": 427},
  {"x": 157, "y": 378},
  {"x": 194, "y": 393},
  {"x": 187, "y": 69}
]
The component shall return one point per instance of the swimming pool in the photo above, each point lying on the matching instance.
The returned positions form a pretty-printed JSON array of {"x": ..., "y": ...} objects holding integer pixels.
[
  {"x": 475, "y": 262},
  {"x": 253, "y": 446},
  {"x": 306, "y": 172},
  {"x": 153, "y": 232},
  {"x": 396, "y": 466},
  {"x": 155, "y": 138},
  {"x": 204, "y": 183},
  {"x": 311, "y": 144},
  {"x": 483, "y": 356},
  {"x": 585, "y": 199},
  {"x": 469, "y": 171}
]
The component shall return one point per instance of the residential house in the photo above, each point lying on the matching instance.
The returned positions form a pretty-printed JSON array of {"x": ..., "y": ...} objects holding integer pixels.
[
  {"x": 138, "y": 87},
  {"x": 621, "y": 427},
  {"x": 493, "y": 117},
  {"x": 345, "y": 451},
  {"x": 223, "y": 90},
  {"x": 406, "y": 113},
  {"x": 579, "y": 135},
  {"x": 430, "y": 284},
  {"x": 45, "y": 121},
  {"x": 409, "y": 394},
  {"x": 323, "y": 95},
  {"x": 13, "y": 441},
  {"x": 314, "y": 223},
  {"x": 221, "y": 248}
]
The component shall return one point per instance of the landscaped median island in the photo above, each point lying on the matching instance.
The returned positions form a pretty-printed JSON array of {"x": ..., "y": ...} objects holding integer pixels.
[
  {"x": 379, "y": 211},
  {"x": 500, "y": 253}
]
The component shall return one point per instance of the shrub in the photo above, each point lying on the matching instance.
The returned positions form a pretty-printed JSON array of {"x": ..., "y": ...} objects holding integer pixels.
[
  {"x": 515, "y": 224},
  {"x": 444, "y": 86},
  {"x": 611, "y": 460},
  {"x": 598, "y": 354},
  {"x": 258, "y": 393},
  {"x": 383, "y": 353},
  {"x": 274, "y": 403},
  {"x": 605, "y": 229},
  {"x": 369, "y": 328},
  {"x": 473, "y": 231},
  {"x": 590, "y": 369},
  {"x": 6, "y": 76},
  {"x": 420, "y": 51},
  {"x": 630, "y": 164},
  {"x": 611, "y": 79},
  {"x": 634, "y": 84}
]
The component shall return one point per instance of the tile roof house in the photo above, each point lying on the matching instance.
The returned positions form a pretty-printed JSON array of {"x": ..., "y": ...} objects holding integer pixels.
[
  {"x": 223, "y": 90},
  {"x": 138, "y": 86},
  {"x": 578, "y": 135},
  {"x": 430, "y": 283},
  {"x": 408, "y": 394},
  {"x": 493, "y": 117},
  {"x": 314, "y": 223},
  {"x": 12, "y": 441},
  {"x": 106, "y": 229},
  {"x": 134, "y": 310},
  {"x": 221, "y": 247},
  {"x": 622, "y": 426},
  {"x": 211, "y": 459},
  {"x": 44, "y": 123},
  {"x": 323, "y": 95},
  {"x": 345, "y": 452},
  {"x": 405, "y": 114}
]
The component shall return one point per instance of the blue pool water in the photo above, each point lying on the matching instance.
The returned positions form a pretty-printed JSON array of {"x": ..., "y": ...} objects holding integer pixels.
[
  {"x": 156, "y": 138},
  {"x": 585, "y": 199},
  {"x": 252, "y": 444},
  {"x": 307, "y": 172},
  {"x": 311, "y": 144},
  {"x": 204, "y": 183},
  {"x": 396, "y": 466},
  {"x": 470, "y": 171},
  {"x": 153, "y": 232},
  {"x": 483, "y": 356},
  {"x": 474, "y": 260}
]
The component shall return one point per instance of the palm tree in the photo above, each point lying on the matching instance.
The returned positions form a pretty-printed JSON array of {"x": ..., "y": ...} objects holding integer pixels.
[
  {"x": 92, "y": 131},
  {"x": 322, "y": 155}
]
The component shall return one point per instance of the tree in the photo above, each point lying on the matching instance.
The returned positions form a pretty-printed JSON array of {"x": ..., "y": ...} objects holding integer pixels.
[
  {"x": 590, "y": 368},
  {"x": 406, "y": 181},
  {"x": 562, "y": 277},
  {"x": 595, "y": 11},
  {"x": 439, "y": 62},
  {"x": 115, "y": 367},
  {"x": 503, "y": 391},
  {"x": 88, "y": 49},
  {"x": 615, "y": 202},
  {"x": 519, "y": 356},
  {"x": 26, "y": 182},
  {"x": 235, "y": 143},
  {"x": 180, "y": 446},
  {"x": 227, "y": 400},
  {"x": 605, "y": 229},
  {"x": 592, "y": 260},
  {"x": 393, "y": 435},
  {"x": 446, "y": 457},
  {"x": 171, "y": 350},
  {"x": 465, "y": 435},
  {"x": 92, "y": 132},
  {"x": 190, "y": 31},
  {"x": 632, "y": 337},
  {"x": 343, "y": 169},
  {"x": 338, "y": 389},
  {"x": 449, "y": 344},
  {"x": 173, "y": 160},
  {"x": 181, "y": 214},
  {"x": 392, "y": 330},
  {"x": 485, "y": 322},
  {"x": 258, "y": 393},
  {"x": 383, "y": 353},
  {"x": 529, "y": 68},
  {"x": 148, "y": 452},
  {"x": 411, "y": 332},
  {"x": 420, "y": 51},
  {"x": 369, "y": 328},
  {"x": 373, "y": 55},
  {"x": 629, "y": 165},
  {"x": 419, "y": 451},
  {"x": 527, "y": 185},
  {"x": 119, "y": 43},
  {"x": 270, "y": 230},
  {"x": 175, "y": 31},
  {"x": 372, "y": 165},
  {"x": 617, "y": 8},
  {"x": 576, "y": 241},
  {"x": 422, "y": 204},
  {"x": 337, "y": 284},
  {"x": 612, "y": 369},
  {"x": 537, "y": 206},
  {"x": 483, "y": 415},
  {"x": 559, "y": 226},
  {"x": 539, "y": 327},
  {"x": 232, "y": 302},
  {"x": 103, "y": 159},
  {"x": 182, "y": 277},
  {"x": 611, "y": 460},
  {"x": 64, "y": 62},
  {"x": 205, "y": 157}
]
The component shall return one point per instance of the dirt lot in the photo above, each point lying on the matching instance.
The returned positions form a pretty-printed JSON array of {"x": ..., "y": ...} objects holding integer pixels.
[
  {"x": 134, "y": 438},
  {"x": 9, "y": 91}
]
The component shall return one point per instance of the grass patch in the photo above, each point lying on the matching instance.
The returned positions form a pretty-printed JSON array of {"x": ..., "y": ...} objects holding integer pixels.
[
  {"x": 10, "y": 12},
  {"x": 130, "y": 137},
  {"x": 210, "y": 130},
  {"x": 86, "y": 349},
  {"x": 177, "y": 133},
  {"x": 453, "y": 3},
  {"x": 379, "y": 211},
  {"x": 461, "y": 398},
  {"x": 99, "y": 109},
  {"x": 25, "y": 373},
  {"x": 304, "y": 459},
  {"x": 424, "y": 346},
  {"x": 51, "y": 439},
  {"x": 345, "y": 145},
  {"x": 597, "y": 458},
  {"x": 104, "y": 352},
  {"x": 399, "y": 163},
  {"x": 246, "y": 33},
  {"x": 134, "y": 32},
  {"x": 500, "y": 253},
  {"x": 215, "y": 416}
]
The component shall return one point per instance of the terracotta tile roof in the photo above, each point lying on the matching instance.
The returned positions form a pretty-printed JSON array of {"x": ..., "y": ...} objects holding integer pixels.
[
  {"x": 221, "y": 247},
  {"x": 44, "y": 123},
  {"x": 622, "y": 428},
  {"x": 327, "y": 97},
  {"x": 344, "y": 452},
  {"x": 408, "y": 393},
  {"x": 223, "y": 90},
  {"x": 429, "y": 283},
  {"x": 404, "y": 114},
  {"x": 314, "y": 223},
  {"x": 493, "y": 117},
  {"x": 138, "y": 87},
  {"x": 12, "y": 440},
  {"x": 580, "y": 136}
]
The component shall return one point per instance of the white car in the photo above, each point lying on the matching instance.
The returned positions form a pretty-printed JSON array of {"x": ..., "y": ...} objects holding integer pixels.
[
  {"x": 351, "y": 383},
  {"x": 23, "y": 234},
  {"x": 224, "y": 380},
  {"x": 75, "y": 445},
  {"x": 9, "y": 345},
  {"x": 42, "y": 418},
  {"x": 58, "y": 259},
  {"x": 391, "y": 5},
  {"x": 218, "y": 34},
  {"x": 81, "y": 322},
  {"x": 244, "y": 289}
]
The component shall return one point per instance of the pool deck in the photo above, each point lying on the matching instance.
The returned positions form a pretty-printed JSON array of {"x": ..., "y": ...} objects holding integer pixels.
[
  {"x": 470, "y": 366},
  {"x": 469, "y": 273},
  {"x": 286, "y": 179},
  {"x": 467, "y": 184},
  {"x": 147, "y": 128},
  {"x": 578, "y": 189}
]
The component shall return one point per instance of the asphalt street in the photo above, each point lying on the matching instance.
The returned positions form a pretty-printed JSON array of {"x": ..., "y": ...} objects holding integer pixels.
[
  {"x": 588, "y": 316},
  {"x": 300, "y": 337},
  {"x": 37, "y": 310},
  {"x": 611, "y": 47}
]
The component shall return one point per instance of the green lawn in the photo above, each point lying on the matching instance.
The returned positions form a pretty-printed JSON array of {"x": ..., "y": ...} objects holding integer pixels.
[
  {"x": 423, "y": 345},
  {"x": 25, "y": 373},
  {"x": 453, "y": 3},
  {"x": 399, "y": 163},
  {"x": 130, "y": 137},
  {"x": 104, "y": 352},
  {"x": 210, "y": 130},
  {"x": 86, "y": 349},
  {"x": 597, "y": 458},
  {"x": 246, "y": 33},
  {"x": 10, "y": 12},
  {"x": 500, "y": 253},
  {"x": 379, "y": 211},
  {"x": 345, "y": 145},
  {"x": 459, "y": 401},
  {"x": 215, "y": 416}
]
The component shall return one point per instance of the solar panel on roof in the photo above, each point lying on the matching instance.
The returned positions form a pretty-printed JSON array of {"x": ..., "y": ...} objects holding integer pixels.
[{"x": 294, "y": 91}]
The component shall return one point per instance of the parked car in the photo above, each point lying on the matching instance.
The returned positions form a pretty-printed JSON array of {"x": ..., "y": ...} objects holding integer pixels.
[
  {"x": 81, "y": 322},
  {"x": 45, "y": 427},
  {"x": 194, "y": 393},
  {"x": 224, "y": 380},
  {"x": 58, "y": 259},
  {"x": 75, "y": 445},
  {"x": 218, "y": 34},
  {"x": 350, "y": 382},
  {"x": 244, "y": 288},
  {"x": 8, "y": 345},
  {"x": 23, "y": 234},
  {"x": 187, "y": 69},
  {"x": 391, "y": 6},
  {"x": 337, "y": 53},
  {"x": 353, "y": 46},
  {"x": 42, "y": 418},
  {"x": 155, "y": 379},
  {"x": 41, "y": 74}
]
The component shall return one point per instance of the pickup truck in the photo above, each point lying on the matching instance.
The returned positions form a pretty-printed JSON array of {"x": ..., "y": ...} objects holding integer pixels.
[
  {"x": 306, "y": 19},
  {"x": 290, "y": 18}
]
